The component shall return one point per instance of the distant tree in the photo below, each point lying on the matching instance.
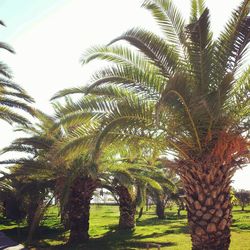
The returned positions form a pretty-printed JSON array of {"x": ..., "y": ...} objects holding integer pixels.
[{"x": 243, "y": 197}]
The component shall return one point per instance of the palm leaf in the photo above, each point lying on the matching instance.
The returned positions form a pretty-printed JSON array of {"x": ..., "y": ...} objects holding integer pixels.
[
  {"x": 169, "y": 19},
  {"x": 153, "y": 47},
  {"x": 232, "y": 42}
]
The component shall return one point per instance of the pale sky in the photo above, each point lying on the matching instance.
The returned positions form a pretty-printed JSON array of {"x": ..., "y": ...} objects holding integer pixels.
[{"x": 50, "y": 36}]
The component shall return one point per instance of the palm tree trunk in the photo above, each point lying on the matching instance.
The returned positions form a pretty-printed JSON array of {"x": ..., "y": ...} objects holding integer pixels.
[
  {"x": 79, "y": 206},
  {"x": 243, "y": 207},
  {"x": 65, "y": 218},
  {"x": 34, "y": 203},
  {"x": 127, "y": 208},
  {"x": 38, "y": 215},
  {"x": 140, "y": 213},
  {"x": 179, "y": 213},
  {"x": 160, "y": 209},
  {"x": 208, "y": 204}
]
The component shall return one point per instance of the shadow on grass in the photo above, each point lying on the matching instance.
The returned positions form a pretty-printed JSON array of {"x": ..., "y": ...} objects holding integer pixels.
[
  {"x": 6, "y": 222},
  {"x": 241, "y": 212},
  {"x": 240, "y": 227},
  {"x": 115, "y": 240},
  {"x": 19, "y": 234},
  {"x": 241, "y": 221},
  {"x": 156, "y": 221}
]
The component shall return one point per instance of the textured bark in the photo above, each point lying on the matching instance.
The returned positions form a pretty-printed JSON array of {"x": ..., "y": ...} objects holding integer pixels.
[
  {"x": 38, "y": 215},
  {"x": 79, "y": 206},
  {"x": 160, "y": 209},
  {"x": 65, "y": 218},
  {"x": 127, "y": 208},
  {"x": 206, "y": 181},
  {"x": 33, "y": 206},
  {"x": 140, "y": 213},
  {"x": 64, "y": 211},
  {"x": 209, "y": 215}
]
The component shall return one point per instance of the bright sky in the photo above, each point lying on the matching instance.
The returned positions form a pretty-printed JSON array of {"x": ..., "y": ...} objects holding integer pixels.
[{"x": 50, "y": 36}]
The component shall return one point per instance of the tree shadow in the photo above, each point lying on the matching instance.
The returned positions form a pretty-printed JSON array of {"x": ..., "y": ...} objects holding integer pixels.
[
  {"x": 155, "y": 221},
  {"x": 6, "y": 222},
  {"x": 241, "y": 212},
  {"x": 114, "y": 239},
  {"x": 240, "y": 227},
  {"x": 19, "y": 234},
  {"x": 16, "y": 233}
]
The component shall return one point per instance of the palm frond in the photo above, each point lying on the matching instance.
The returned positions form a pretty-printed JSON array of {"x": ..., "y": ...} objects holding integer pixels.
[
  {"x": 9, "y": 116},
  {"x": 5, "y": 70},
  {"x": 200, "y": 50},
  {"x": 6, "y": 47},
  {"x": 197, "y": 9},
  {"x": 153, "y": 47},
  {"x": 12, "y": 85},
  {"x": 128, "y": 76},
  {"x": 2, "y": 23},
  {"x": 23, "y": 96},
  {"x": 232, "y": 42},
  {"x": 119, "y": 55},
  {"x": 169, "y": 19},
  {"x": 13, "y": 103}
]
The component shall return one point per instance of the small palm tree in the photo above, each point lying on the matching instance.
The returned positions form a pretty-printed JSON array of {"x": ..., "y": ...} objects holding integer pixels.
[
  {"x": 128, "y": 177},
  {"x": 34, "y": 170},
  {"x": 161, "y": 196}
]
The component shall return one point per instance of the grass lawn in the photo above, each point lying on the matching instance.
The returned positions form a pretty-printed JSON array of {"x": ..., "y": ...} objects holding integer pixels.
[{"x": 171, "y": 233}]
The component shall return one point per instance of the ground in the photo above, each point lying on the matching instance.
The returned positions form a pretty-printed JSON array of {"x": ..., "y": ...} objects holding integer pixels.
[{"x": 171, "y": 233}]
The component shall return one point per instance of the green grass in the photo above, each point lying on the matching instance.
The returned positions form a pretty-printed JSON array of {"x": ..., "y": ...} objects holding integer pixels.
[{"x": 171, "y": 233}]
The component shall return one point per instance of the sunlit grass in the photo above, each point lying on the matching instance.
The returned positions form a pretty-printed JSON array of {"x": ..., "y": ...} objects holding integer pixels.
[{"x": 171, "y": 233}]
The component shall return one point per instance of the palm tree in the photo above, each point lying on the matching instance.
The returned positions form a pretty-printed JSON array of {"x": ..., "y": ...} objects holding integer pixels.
[
  {"x": 199, "y": 87},
  {"x": 35, "y": 171},
  {"x": 83, "y": 128},
  {"x": 12, "y": 96},
  {"x": 76, "y": 196},
  {"x": 84, "y": 120},
  {"x": 128, "y": 178},
  {"x": 161, "y": 196}
]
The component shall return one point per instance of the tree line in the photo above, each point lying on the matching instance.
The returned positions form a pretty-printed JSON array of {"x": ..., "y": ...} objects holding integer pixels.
[{"x": 171, "y": 105}]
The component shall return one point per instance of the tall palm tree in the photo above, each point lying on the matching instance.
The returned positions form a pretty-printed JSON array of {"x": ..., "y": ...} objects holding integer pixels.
[{"x": 199, "y": 87}]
